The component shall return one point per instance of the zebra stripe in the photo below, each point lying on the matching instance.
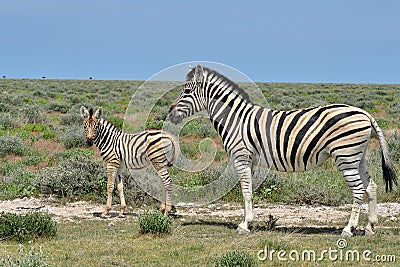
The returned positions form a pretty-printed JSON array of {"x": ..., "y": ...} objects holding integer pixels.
[
  {"x": 287, "y": 141},
  {"x": 132, "y": 151}
]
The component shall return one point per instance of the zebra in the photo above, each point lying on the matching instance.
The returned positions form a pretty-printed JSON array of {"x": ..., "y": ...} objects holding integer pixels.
[
  {"x": 132, "y": 151},
  {"x": 286, "y": 141}
]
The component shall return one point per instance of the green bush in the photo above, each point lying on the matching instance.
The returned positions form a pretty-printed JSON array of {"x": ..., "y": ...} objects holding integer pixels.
[
  {"x": 73, "y": 137},
  {"x": 71, "y": 119},
  {"x": 49, "y": 135},
  {"x": 36, "y": 127},
  {"x": 6, "y": 121},
  {"x": 152, "y": 125},
  {"x": 76, "y": 176},
  {"x": 235, "y": 259},
  {"x": 73, "y": 153},
  {"x": 26, "y": 227},
  {"x": 394, "y": 147},
  {"x": 201, "y": 127},
  {"x": 32, "y": 114},
  {"x": 154, "y": 222},
  {"x": 29, "y": 259},
  {"x": 61, "y": 107},
  {"x": 16, "y": 182},
  {"x": 12, "y": 144}
]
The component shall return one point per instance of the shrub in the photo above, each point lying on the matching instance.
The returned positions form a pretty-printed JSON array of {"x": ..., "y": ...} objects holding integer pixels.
[
  {"x": 153, "y": 125},
  {"x": 6, "y": 121},
  {"x": 49, "y": 135},
  {"x": 30, "y": 259},
  {"x": 36, "y": 127},
  {"x": 394, "y": 147},
  {"x": 74, "y": 153},
  {"x": 200, "y": 126},
  {"x": 26, "y": 227},
  {"x": 33, "y": 114},
  {"x": 76, "y": 176},
  {"x": 12, "y": 144},
  {"x": 40, "y": 128},
  {"x": 71, "y": 119},
  {"x": 235, "y": 258},
  {"x": 4, "y": 107},
  {"x": 73, "y": 137},
  {"x": 61, "y": 107},
  {"x": 154, "y": 222},
  {"x": 17, "y": 181}
]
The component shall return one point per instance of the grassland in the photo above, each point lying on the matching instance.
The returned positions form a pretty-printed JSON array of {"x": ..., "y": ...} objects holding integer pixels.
[{"x": 42, "y": 150}]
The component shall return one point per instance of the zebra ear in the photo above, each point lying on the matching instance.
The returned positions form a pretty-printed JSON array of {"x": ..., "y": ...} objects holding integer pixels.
[
  {"x": 84, "y": 112},
  {"x": 98, "y": 112},
  {"x": 198, "y": 73}
]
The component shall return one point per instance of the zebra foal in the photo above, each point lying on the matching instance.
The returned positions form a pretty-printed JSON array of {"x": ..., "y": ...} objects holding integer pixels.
[
  {"x": 132, "y": 151},
  {"x": 287, "y": 141}
]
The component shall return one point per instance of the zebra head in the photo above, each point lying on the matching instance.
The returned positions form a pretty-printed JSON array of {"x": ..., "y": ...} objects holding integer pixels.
[
  {"x": 190, "y": 99},
  {"x": 91, "y": 123}
]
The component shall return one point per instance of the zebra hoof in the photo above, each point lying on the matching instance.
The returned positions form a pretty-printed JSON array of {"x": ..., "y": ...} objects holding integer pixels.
[
  {"x": 346, "y": 234},
  {"x": 242, "y": 231}
]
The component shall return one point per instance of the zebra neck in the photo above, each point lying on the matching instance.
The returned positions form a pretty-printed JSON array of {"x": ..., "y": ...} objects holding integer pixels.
[
  {"x": 106, "y": 135},
  {"x": 226, "y": 110}
]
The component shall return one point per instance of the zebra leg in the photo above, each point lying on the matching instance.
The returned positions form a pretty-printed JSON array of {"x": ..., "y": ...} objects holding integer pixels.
[
  {"x": 353, "y": 221},
  {"x": 370, "y": 187},
  {"x": 111, "y": 173},
  {"x": 120, "y": 187},
  {"x": 356, "y": 185},
  {"x": 246, "y": 184},
  {"x": 372, "y": 208},
  {"x": 166, "y": 205}
]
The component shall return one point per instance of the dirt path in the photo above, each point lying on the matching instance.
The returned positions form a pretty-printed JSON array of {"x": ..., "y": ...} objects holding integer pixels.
[{"x": 289, "y": 215}]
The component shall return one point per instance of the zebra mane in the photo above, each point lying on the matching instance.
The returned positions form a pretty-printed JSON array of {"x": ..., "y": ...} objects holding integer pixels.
[
  {"x": 231, "y": 85},
  {"x": 106, "y": 123}
]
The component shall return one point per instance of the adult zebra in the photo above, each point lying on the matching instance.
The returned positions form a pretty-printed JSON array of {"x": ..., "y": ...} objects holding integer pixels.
[
  {"x": 286, "y": 141},
  {"x": 132, "y": 151}
]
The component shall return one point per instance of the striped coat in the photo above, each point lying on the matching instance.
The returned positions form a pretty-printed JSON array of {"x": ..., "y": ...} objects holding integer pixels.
[
  {"x": 287, "y": 141},
  {"x": 132, "y": 151}
]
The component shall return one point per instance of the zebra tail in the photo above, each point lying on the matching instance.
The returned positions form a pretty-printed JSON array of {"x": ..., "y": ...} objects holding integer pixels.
[{"x": 389, "y": 173}]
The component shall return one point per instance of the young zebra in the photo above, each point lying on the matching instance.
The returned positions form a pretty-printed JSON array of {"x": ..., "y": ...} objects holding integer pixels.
[
  {"x": 132, "y": 151},
  {"x": 287, "y": 141}
]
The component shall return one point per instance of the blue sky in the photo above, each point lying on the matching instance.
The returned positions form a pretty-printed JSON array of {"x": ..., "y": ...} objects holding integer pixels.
[{"x": 355, "y": 41}]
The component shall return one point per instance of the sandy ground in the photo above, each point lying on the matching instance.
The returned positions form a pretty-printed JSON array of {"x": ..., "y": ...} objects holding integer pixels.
[{"x": 288, "y": 215}]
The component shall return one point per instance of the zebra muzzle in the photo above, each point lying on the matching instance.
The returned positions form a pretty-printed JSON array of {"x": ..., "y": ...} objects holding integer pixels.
[{"x": 89, "y": 141}]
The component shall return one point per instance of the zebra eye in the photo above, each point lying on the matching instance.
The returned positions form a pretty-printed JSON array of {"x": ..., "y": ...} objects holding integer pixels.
[{"x": 187, "y": 91}]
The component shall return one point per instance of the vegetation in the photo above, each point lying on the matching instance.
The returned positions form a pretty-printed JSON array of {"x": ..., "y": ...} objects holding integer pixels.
[
  {"x": 43, "y": 151},
  {"x": 154, "y": 222},
  {"x": 198, "y": 243},
  {"x": 235, "y": 258},
  {"x": 26, "y": 227},
  {"x": 32, "y": 258}
]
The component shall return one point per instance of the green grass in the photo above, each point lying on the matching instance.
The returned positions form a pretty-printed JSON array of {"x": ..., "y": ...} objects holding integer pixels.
[{"x": 191, "y": 243}]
